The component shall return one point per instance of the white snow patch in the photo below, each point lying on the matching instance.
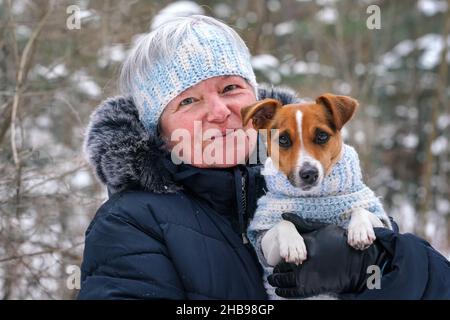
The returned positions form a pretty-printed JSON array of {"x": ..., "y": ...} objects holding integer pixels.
[
  {"x": 327, "y": 15},
  {"x": 264, "y": 62},
  {"x": 432, "y": 45},
  {"x": 440, "y": 145},
  {"x": 18, "y": 7},
  {"x": 174, "y": 10},
  {"x": 406, "y": 112},
  {"x": 404, "y": 213},
  {"x": 81, "y": 179},
  {"x": 43, "y": 121},
  {"x": 302, "y": 67},
  {"x": 342, "y": 87},
  {"x": 23, "y": 32},
  {"x": 430, "y": 229},
  {"x": 432, "y": 7},
  {"x": 273, "y": 5},
  {"x": 87, "y": 14},
  {"x": 410, "y": 141},
  {"x": 443, "y": 121},
  {"x": 285, "y": 69},
  {"x": 392, "y": 58},
  {"x": 86, "y": 84},
  {"x": 268, "y": 65},
  {"x": 443, "y": 206},
  {"x": 404, "y": 47},
  {"x": 360, "y": 69},
  {"x": 360, "y": 137},
  {"x": 52, "y": 73},
  {"x": 115, "y": 53},
  {"x": 39, "y": 138},
  {"x": 285, "y": 28}
]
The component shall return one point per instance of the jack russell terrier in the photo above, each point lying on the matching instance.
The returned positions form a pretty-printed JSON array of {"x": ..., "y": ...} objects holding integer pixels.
[{"x": 311, "y": 173}]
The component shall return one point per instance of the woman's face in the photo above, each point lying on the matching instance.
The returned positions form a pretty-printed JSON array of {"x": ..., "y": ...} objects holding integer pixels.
[{"x": 195, "y": 123}]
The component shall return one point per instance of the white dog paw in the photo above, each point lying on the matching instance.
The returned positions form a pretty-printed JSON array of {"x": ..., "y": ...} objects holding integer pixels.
[
  {"x": 292, "y": 247},
  {"x": 360, "y": 234}
]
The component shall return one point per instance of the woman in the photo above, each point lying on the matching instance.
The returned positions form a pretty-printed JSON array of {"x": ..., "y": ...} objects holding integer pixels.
[{"x": 176, "y": 231}]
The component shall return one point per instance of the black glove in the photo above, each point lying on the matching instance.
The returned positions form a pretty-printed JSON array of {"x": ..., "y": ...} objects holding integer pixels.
[{"x": 331, "y": 266}]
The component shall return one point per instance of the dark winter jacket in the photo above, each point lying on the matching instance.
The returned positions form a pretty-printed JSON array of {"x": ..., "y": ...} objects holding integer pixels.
[
  {"x": 175, "y": 232},
  {"x": 167, "y": 231}
]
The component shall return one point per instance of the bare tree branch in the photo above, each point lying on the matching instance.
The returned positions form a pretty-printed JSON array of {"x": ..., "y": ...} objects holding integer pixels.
[{"x": 38, "y": 253}]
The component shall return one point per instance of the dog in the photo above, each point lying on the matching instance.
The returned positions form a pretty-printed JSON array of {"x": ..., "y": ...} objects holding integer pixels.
[{"x": 311, "y": 172}]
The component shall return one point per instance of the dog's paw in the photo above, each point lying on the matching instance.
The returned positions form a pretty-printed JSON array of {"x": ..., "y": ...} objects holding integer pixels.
[
  {"x": 360, "y": 234},
  {"x": 292, "y": 247}
]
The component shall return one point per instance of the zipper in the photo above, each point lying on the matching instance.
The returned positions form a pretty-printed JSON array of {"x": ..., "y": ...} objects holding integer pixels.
[{"x": 243, "y": 204}]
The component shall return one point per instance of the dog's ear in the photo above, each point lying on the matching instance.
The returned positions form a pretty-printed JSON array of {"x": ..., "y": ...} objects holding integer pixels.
[
  {"x": 260, "y": 112},
  {"x": 340, "y": 108}
]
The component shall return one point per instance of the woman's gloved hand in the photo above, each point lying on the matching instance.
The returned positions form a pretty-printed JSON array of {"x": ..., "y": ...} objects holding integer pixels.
[{"x": 332, "y": 266}]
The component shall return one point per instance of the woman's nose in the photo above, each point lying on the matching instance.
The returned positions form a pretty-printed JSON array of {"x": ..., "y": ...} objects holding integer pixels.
[{"x": 218, "y": 110}]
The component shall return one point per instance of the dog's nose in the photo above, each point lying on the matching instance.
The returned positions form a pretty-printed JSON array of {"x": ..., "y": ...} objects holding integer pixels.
[{"x": 309, "y": 175}]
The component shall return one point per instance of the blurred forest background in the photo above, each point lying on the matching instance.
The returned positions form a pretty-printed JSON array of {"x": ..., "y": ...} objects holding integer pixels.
[{"x": 52, "y": 78}]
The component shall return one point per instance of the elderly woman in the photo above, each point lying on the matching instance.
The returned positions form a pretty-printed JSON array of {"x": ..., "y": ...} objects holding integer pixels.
[{"x": 174, "y": 224}]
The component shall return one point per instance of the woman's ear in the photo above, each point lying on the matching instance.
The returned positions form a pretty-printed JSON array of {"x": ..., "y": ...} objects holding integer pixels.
[
  {"x": 341, "y": 108},
  {"x": 261, "y": 113}
]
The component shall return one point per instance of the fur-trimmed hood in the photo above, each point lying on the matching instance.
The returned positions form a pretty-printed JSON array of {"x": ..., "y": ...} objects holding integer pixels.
[{"x": 125, "y": 156}]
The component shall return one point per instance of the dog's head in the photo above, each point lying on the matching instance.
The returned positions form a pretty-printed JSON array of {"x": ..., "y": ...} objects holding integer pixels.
[{"x": 307, "y": 142}]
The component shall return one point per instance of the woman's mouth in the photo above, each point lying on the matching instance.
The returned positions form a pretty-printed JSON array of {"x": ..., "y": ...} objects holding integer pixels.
[{"x": 225, "y": 133}]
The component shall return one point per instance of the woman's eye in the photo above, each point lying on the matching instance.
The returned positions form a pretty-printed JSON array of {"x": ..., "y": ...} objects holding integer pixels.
[
  {"x": 322, "y": 137},
  {"x": 187, "y": 101},
  {"x": 284, "y": 141},
  {"x": 230, "y": 88}
]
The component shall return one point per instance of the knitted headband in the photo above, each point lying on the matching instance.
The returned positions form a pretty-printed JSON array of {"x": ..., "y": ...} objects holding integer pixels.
[{"x": 206, "y": 50}]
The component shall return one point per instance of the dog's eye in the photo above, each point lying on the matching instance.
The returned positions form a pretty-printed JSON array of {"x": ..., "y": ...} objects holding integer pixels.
[
  {"x": 284, "y": 140},
  {"x": 322, "y": 137}
]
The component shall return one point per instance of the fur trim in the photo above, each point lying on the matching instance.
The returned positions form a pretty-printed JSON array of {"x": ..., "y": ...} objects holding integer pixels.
[
  {"x": 125, "y": 156},
  {"x": 121, "y": 151},
  {"x": 284, "y": 94}
]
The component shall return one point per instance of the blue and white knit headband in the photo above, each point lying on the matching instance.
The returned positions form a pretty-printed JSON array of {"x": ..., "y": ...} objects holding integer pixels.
[{"x": 206, "y": 52}]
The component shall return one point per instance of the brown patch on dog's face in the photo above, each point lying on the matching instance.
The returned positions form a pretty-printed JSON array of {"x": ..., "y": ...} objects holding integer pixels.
[
  {"x": 320, "y": 140},
  {"x": 314, "y": 122},
  {"x": 315, "y": 146}
]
